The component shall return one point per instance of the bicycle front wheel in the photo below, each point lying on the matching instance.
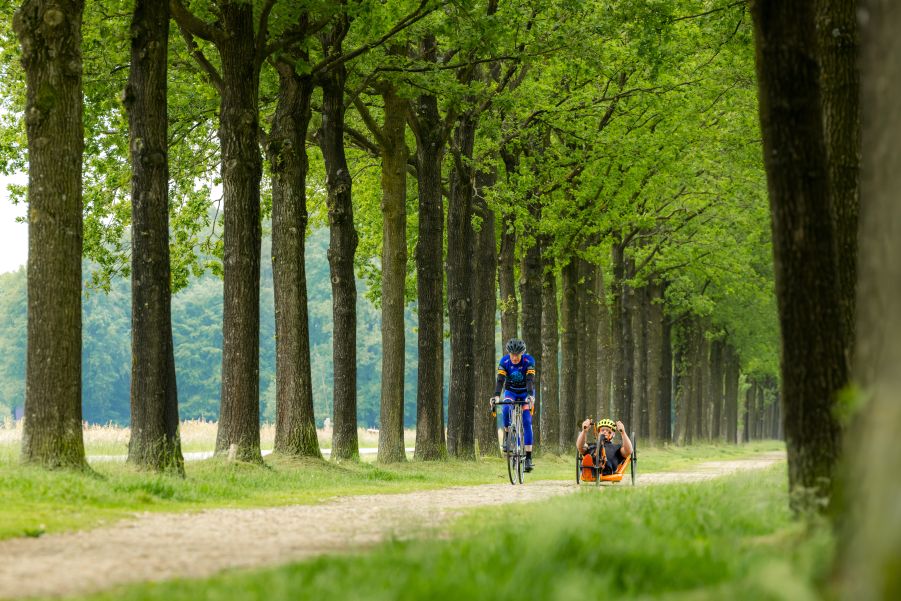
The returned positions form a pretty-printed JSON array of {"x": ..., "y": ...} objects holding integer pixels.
[
  {"x": 511, "y": 457},
  {"x": 520, "y": 446}
]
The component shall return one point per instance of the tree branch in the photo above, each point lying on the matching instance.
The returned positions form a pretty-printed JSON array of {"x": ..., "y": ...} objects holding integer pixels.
[{"x": 193, "y": 24}]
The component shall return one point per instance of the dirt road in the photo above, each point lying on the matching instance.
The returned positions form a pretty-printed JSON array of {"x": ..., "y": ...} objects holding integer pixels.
[{"x": 164, "y": 546}]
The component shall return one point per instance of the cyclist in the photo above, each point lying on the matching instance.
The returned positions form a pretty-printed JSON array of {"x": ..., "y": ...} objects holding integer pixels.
[
  {"x": 615, "y": 453},
  {"x": 516, "y": 375}
]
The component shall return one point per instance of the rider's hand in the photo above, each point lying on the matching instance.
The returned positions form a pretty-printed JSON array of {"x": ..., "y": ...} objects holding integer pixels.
[
  {"x": 586, "y": 424},
  {"x": 531, "y": 401},
  {"x": 620, "y": 427},
  {"x": 495, "y": 400}
]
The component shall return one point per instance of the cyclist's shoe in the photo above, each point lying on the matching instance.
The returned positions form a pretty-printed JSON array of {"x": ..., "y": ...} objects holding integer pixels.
[
  {"x": 506, "y": 446},
  {"x": 528, "y": 466}
]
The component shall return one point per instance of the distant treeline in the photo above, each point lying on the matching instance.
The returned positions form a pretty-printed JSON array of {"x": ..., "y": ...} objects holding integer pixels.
[{"x": 197, "y": 332}]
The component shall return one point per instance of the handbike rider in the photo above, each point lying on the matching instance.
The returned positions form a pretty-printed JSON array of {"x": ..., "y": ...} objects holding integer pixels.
[
  {"x": 613, "y": 454},
  {"x": 516, "y": 375}
]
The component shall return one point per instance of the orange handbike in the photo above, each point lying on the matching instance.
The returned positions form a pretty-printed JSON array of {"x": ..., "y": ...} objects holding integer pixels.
[{"x": 590, "y": 466}]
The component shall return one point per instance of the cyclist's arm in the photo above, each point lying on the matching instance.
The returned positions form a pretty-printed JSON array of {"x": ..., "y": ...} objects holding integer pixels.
[
  {"x": 626, "y": 449},
  {"x": 530, "y": 380},
  {"x": 581, "y": 443},
  {"x": 501, "y": 379}
]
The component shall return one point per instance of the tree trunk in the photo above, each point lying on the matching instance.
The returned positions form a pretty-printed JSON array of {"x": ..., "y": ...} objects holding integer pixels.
[
  {"x": 568, "y": 423},
  {"x": 154, "y": 442},
  {"x": 239, "y": 416},
  {"x": 681, "y": 380},
  {"x": 50, "y": 35},
  {"x": 618, "y": 404},
  {"x": 507, "y": 280},
  {"x": 870, "y": 528},
  {"x": 484, "y": 295},
  {"x": 394, "y": 273},
  {"x": 665, "y": 403},
  {"x": 459, "y": 294},
  {"x": 704, "y": 404},
  {"x": 641, "y": 425},
  {"x": 731, "y": 401},
  {"x": 628, "y": 411},
  {"x": 550, "y": 380},
  {"x": 426, "y": 125},
  {"x": 342, "y": 247},
  {"x": 760, "y": 408},
  {"x": 295, "y": 425},
  {"x": 589, "y": 357},
  {"x": 581, "y": 404},
  {"x": 716, "y": 389},
  {"x": 748, "y": 410},
  {"x": 654, "y": 354},
  {"x": 605, "y": 349},
  {"x": 807, "y": 290},
  {"x": 530, "y": 292},
  {"x": 838, "y": 48}
]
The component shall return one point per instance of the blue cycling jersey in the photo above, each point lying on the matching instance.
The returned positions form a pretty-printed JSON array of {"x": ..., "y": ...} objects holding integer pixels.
[{"x": 517, "y": 376}]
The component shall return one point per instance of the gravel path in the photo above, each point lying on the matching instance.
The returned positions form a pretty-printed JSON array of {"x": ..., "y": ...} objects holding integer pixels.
[{"x": 194, "y": 545}]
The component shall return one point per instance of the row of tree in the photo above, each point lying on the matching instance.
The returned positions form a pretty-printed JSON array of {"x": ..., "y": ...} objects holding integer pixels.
[{"x": 604, "y": 194}]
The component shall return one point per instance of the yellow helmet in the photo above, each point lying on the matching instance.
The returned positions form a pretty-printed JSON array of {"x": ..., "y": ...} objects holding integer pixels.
[{"x": 608, "y": 423}]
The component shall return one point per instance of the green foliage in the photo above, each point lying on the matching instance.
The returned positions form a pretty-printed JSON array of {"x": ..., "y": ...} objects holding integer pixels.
[{"x": 729, "y": 538}]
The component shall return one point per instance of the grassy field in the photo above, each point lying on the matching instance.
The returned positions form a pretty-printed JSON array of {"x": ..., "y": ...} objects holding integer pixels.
[
  {"x": 33, "y": 501},
  {"x": 196, "y": 435},
  {"x": 730, "y": 538}
]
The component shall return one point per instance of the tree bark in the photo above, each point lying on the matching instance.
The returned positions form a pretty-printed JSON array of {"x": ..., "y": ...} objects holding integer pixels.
[
  {"x": 870, "y": 526},
  {"x": 628, "y": 411},
  {"x": 154, "y": 442},
  {"x": 642, "y": 404},
  {"x": 731, "y": 394},
  {"x": 665, "y": 403},
  {"x": 295, "y": 425},
  {"x": 239, "y": 416},
  {"x": 589, "y": 309},
  {"x": 394, "y": 273},
  {"x": 605, "y": 349},
  {"x": 460, "y": 437},
  {"x": 50, "y": 36},
  {"x": 507, "y": 280},
  {"x": 425, "y": 122},
  {"x": 838, "y": 49},
  {"x": 569, "y": 344},
  {"x": 484, "y": 295},
  {"x": 807, "y": 290},
  {"x": 342, "y": 247},
  {"x": 530, "y": 291},
  {"x": 716, "y": 389},
  {"x": 654, "y": 354},
  {"x": 550, "y": 381}
]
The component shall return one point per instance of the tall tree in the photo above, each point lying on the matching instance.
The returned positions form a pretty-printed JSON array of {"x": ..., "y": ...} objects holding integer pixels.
[
  {"x": 295, "y": 426},
  {"x": 870, "y": 525},
  {"x": 550, "y": 381},
  {"x": 50, "y": 36},
  {"x": 813, "y": 355},
  {"x": 530, "y": 292},
  {"x": 459, "y": 291},
  {"x": 569, "y": 353},
  {"x": 484, "y": 294},
  {"x": 241, "y": 44},
  {"x": 838, "y": 40},
  {"x": 390, "y": 138},
  {"x": 154, "y": 439},
  {"x": 505, "y": 277},
  {"x": 430, "y": 132},
  {"x": 342, "y": 245}
]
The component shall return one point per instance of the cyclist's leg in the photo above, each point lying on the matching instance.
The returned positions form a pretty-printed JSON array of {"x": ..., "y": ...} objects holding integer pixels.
[
  {"x": 507, "y": 415},
  {"x": 527, "y": 428}
]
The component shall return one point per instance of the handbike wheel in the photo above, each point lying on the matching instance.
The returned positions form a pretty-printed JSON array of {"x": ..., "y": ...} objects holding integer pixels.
[
  {"x": 634, "y": 458},
  {"x": 578, "y": 469}
]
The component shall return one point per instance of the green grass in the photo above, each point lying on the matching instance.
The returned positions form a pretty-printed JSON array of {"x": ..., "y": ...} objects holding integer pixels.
[
  {"x": 730, "y": 538},
  {"x": 34, "y": 501}
]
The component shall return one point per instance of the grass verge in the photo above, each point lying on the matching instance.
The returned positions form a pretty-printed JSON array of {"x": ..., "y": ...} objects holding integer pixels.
[
  {"x": 730, "y": 538},
  {"x": 34, "y": 501}
]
